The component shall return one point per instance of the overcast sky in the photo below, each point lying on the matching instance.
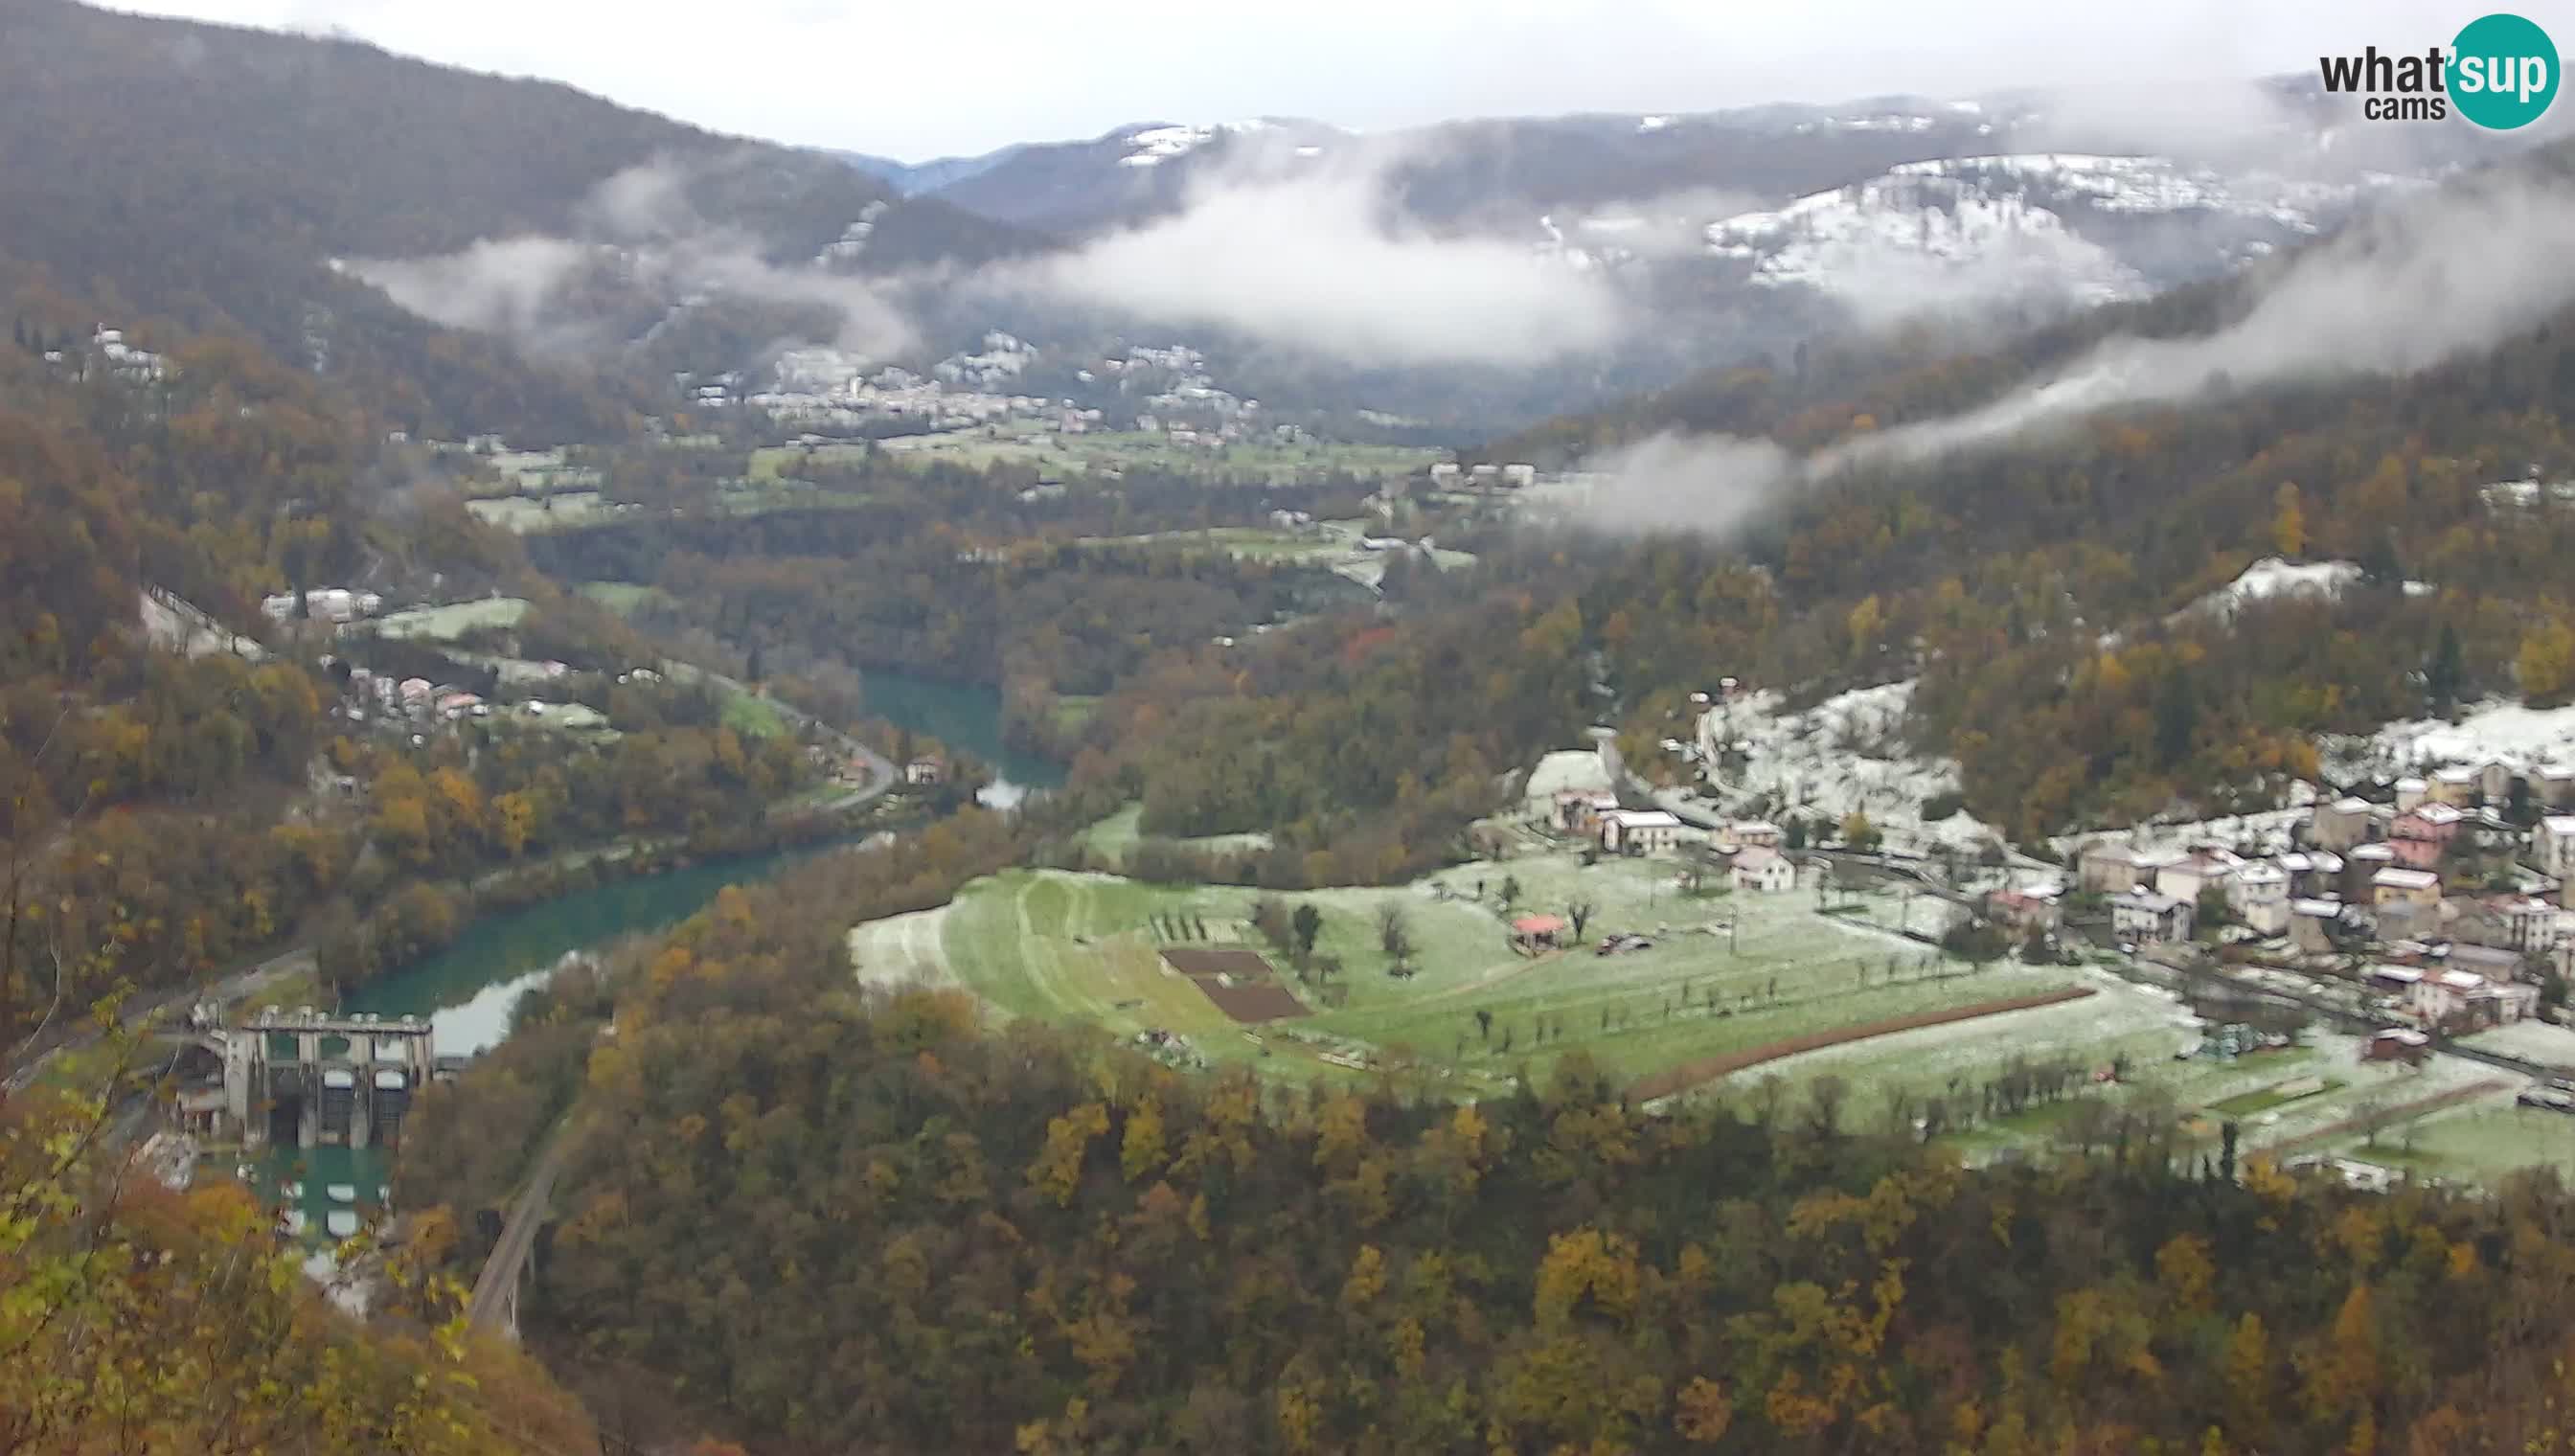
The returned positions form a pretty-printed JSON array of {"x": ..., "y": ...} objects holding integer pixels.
[{"x": 920, "y": 80}]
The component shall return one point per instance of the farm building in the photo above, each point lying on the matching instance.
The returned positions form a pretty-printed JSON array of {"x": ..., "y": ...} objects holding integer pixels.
[
  {"x": 1639, "y": 830},
  {"x": 2022, "y": 910},
  {"x": 1576, "y": 809},
  {"x": 1533, "y": 933},
  {"x": 2398, "y": 1043},
  {"x": 1764, "y": 869}
]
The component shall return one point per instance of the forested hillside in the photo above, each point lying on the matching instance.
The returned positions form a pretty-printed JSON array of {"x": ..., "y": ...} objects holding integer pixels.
[
  {"x": 141, "y": 1320},
  {"x": 830, "y": 1220},
  {"x": 2035, "y": 583},
  {"x": 158, "y": 823},
  {"x": 209, "y": 174}
]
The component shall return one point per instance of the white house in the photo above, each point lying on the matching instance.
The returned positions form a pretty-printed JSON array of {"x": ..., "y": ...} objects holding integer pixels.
[
  {"x": 1574, "y": 809},
  {"x": 1751, "y": 834},
  {"x": 1639, "y": 830},
  {"x": 1764, "y": 869},
  {"x": 2199, "y": 871},
  {"x": 2258, "y": 894},
  {"x": 2460, "y": 996},
  {"x": 2532, "y": 925},
  {"x": 2143, "y": 916},
  {"x": 2552, "y": 846}
]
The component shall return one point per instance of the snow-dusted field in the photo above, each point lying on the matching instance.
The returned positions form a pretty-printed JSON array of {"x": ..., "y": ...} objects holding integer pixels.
[
  {"x": 446, "y": 624},
  {"x": 2532, "y": 1040},
  {"x": 2273, "y": 577},
  {"x": 2519, "y": 736},
  {"x": 901, "y": 950},
  {"x": 2116, "y": 1018},
  {"x": 1846, "y": 752}
]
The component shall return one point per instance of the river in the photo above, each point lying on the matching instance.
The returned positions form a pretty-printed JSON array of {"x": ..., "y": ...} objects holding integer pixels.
[
  {"x": 468, "y": 989},
  {"x": 962, "y": 715}
]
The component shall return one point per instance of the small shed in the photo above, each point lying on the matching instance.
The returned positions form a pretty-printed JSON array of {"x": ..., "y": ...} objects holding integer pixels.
[{"x": 1531, "y": 932}]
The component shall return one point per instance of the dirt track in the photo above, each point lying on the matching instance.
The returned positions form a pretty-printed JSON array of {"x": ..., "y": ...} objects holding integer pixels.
[{"x": 1707, "y": 1070}]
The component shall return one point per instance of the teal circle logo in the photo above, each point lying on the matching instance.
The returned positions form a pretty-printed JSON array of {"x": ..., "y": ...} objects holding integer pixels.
[{"x": 2503, "y": 72}]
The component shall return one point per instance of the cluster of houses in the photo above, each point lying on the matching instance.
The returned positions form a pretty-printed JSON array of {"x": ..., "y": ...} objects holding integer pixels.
[
  {"x": 417, "y": 705},
  {"x": 2364, "y": 881},
  {"x": 1448, "y": 475},
  {"x": 321, "y": 604},
  {"x": 1747, "y": 852},
  {"x": 108, "y": 356}
]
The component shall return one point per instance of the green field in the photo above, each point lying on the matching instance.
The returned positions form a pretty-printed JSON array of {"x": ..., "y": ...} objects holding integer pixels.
[
  {"x": 622, "y": 597},
  {"x": 446, "y": 624},
  {"x": 1079, "y": 950},
  {"x": 2248, "y": 1104},
  {"x": 2477, "y": 1144},
  {"x": 525, "y": 513},
  {"x": 1117, "y": 836},
  {"x": 1727, "y": 972},
  {"x": 1335, "y": 546},
  {"x": 1053, "y": 453},
  {"x": 752, "y": 717}
]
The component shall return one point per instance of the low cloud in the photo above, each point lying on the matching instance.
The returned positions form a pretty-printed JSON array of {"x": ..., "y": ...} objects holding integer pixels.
[
  {"x": 643, "y": 243},
  {"x": 2393, "y": 296},
  {"x": 499, "y": 286},
  {"x": 1323, "y": 264},
  {"x": 1707, "y": 483},
  {"x": 2209, "y": 118}
]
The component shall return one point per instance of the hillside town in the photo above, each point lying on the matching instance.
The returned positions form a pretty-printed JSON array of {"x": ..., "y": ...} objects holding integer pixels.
[{"x": 2439, "y": 901}]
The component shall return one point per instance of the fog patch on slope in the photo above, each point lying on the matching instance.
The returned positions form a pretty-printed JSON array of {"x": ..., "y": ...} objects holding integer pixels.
[
  {"x": 640, "y": 240},
  {"x": 1323, "y": 263},
  {"x": 2393, "y": 297},
  {"x": 1706, "y": 483}
]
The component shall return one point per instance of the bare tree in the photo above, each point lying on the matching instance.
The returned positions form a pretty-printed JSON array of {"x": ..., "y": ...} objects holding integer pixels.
[
  {"x": 1581, "y": 913},
  {"x": 1393, "y": 934},
  {"x": 1825, "y": 1097}
]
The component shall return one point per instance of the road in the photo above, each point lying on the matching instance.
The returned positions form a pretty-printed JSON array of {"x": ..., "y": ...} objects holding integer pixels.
[
  {"x": 882, "y": 774},
  {"x": 494, "y": 1305},
  {"x": 138, "y": 1011}
]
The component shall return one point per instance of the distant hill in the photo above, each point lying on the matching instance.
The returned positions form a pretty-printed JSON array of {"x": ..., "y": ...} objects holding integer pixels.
[
  {"x": 1506, "y": 170},
  {"x": 210, "y": 174},
  {"x": 1122, "y": 175},
  {"x": 914, "y": 178}
]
